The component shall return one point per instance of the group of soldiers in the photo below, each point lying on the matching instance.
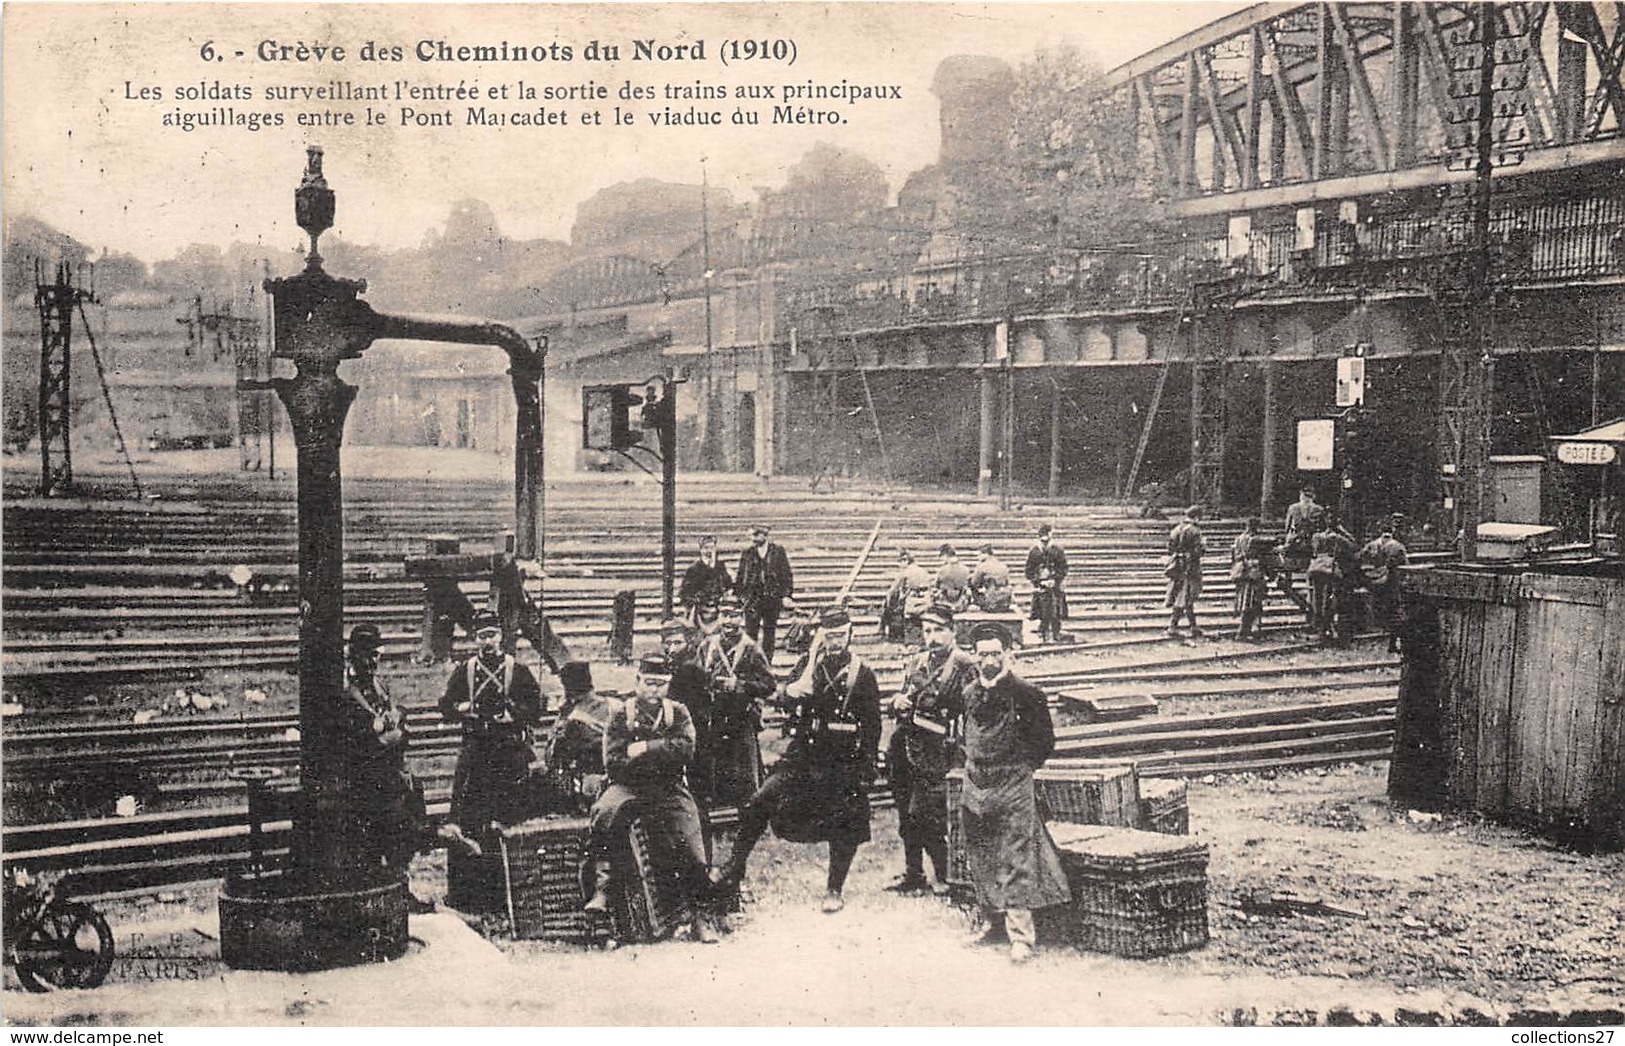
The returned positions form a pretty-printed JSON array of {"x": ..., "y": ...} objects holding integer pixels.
[
  {"x": 983, "y": 586},
  {"x": 687, "y": 741},
  {"x": 1316, "y": 545}
]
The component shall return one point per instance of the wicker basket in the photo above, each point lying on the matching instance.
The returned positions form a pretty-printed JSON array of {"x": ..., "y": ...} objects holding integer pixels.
[
  {"x": 543, "y": 862},
  {"x": 958, "y": 859},
  {"x": 1135, "y": 894},
  {"x": 650, "y": 907},
  {"x": 1164, "y": 807},
  {"x": 1096, "y": 796}
]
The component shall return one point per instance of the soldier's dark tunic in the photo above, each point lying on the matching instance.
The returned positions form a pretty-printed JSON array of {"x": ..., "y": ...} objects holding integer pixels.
[
  {"x": 651, "y": 786},
  {"x": 741, "y": 680},
  {"x": 1047, "y": 563},
  {"x": 820, "y": 789},
  {"x": 492, "y": 767},
  {"x": 923, "y": 748},
  {"x": 390, "y": 810},
  {"x": 1008, "y": 735},
  {"x": 691, "y": 687}
]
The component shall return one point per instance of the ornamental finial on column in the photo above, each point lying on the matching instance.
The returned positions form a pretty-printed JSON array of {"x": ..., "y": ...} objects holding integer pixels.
[{"x": 313, "y": 204}]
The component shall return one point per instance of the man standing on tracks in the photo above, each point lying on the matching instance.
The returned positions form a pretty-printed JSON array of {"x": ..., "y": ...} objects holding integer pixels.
[
  {"x": 819, "y": 791},
  {"x": 764, "y": 582},
  {"x": 1304, "y": 518},
  {"x": 1008, "y": 735},
  {"x": 648, "y": 745},
  {"x": 1184, "y": 571},
  {"x": 1046, "y": 570},
  {"x": 910, "y": 594},
  {"x": 928, "y": 708},
  {"x": 704, "y": 582},
  {"x": 1333, "y": 564},
  {"x": 1380, "y": 561},
  {"x": 390, "y": 811},
  {"x": 741, "y": 679},
  {"x": 498, "y": 702}
]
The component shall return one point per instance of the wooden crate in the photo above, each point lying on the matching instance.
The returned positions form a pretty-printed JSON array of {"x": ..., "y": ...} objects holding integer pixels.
[
  {"x": 543, "y": 862},
  {"x": 1111, "y": 709},
  {"x": 1107, "y": 795},
  {"x": 1510, "y": 698},
  {"x": 1135, "y": 894},
  {"x": 1164, "y": 806}
]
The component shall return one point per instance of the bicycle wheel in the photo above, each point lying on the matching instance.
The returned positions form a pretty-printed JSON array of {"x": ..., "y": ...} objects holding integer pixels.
[{"x": 70, "y": 947}]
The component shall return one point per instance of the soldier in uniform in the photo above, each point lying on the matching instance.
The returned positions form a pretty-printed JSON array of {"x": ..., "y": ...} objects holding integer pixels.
[
  {"x": 819, "y": 791},
  {"x": 575, "y": 751},
  {"x": 648, "y": 745},
  {"x": 390, "y": 811},
  {"x": 910, "y": 593},
  {"x": 922, "y": 749},
  {"x": 1013, "y": 861},
  {"x": 764, "y": 582},
  {"x": 953, "y": 580},
  {"x": 1046, "y": 571},
  {"x": 498, "y": 702},
  {"x": 1304, "y": 518},
  {"x": 990, "y": 582},
  {"x": 741, "y": 679},
  {"x": 1380, "y": 561},
  {"x": 1184, "y": 571}
]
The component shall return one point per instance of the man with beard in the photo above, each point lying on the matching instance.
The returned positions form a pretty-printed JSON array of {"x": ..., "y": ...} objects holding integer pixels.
[
  {"x": 741, "y": 679},
  {"x": 647, "y": 746},
  {"x": 498, "y": 702},
  {"x": 819, "y": 791},
  {"x": 765, "y": 581},
  {"x": 1013, "y": 861},
  {"x": 921, "y": 752}
]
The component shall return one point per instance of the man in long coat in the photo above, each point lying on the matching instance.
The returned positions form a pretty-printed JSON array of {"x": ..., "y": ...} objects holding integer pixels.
[
  {"x": 704, "y": 582},
  {"x": 1013, "y": 861},
  {"x": 928, "y": 707},
  {"x": 1046, "y": 571},
  {"x": 498, "y": 702},
  {"x": 819, "y": 791},
  {"x": 763, "y": 581},
  {"x": 741, "y": 679}
]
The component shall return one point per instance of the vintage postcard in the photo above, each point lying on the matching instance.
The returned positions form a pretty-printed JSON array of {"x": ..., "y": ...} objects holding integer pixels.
[{"x": 813, "y": 514}]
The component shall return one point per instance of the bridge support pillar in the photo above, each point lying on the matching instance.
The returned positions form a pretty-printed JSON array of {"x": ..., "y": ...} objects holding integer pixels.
[
  {"x": 1266, "y": 495},
  {"x": 984, "y": 434}
]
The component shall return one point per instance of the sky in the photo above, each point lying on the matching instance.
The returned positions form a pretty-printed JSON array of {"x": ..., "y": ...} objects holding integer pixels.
[{"x": 87, "y": 153}]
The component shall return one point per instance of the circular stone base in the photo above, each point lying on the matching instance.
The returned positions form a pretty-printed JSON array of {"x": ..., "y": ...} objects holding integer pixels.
[{"x": 281, "y": 924}]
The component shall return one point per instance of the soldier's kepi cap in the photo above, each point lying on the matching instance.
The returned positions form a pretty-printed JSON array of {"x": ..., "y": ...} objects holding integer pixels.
[
  {"x": 673, "y": 626},
  {"x": 937, "y": 614},
  {"x": 991, "y": 630},
  {"x": 834, "y": 617},
  {"x": 366, "y": 637},
  {"x": 654, "y": 665},
  {"x": 485, "y": 620}
]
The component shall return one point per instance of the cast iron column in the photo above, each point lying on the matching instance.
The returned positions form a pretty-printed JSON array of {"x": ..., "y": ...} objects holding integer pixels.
[{"x": 315, "y": 328}]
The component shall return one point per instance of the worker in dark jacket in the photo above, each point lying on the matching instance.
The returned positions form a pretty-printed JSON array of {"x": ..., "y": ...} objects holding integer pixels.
[
  {"x": 764, "y": 581},
  {"x": 928, "y": 707},
  {"x": 1046, "y": 571},
  {"x": 389, "y": 812},
  {"x": 819, "y": 791},
  {"x": 1380, "y": 562},
  {"x": 498, "y": 703},
  {"x": 704, "y": 582},
  {"x": 648, "y": 745},
  {"x": 1013, "y": 861}
]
